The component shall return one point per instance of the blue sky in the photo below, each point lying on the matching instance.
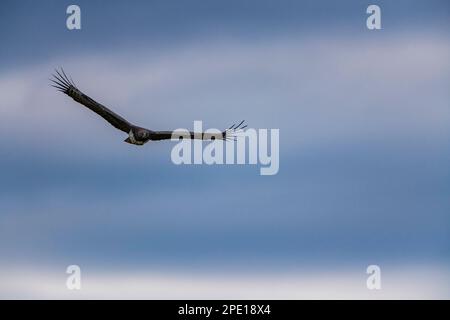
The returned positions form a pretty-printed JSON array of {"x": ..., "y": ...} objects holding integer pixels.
[{"x": 364, "y": 123}]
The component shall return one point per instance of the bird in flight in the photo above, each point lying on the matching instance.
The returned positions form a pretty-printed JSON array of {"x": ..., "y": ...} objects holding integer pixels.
[{"x": 136, "y": 135}]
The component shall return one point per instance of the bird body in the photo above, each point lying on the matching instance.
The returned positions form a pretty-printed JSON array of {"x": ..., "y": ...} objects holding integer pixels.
[{"x": 136, "y": 135}]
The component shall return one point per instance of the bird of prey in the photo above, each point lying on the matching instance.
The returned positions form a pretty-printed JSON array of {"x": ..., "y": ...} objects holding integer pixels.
[{"x": 136, "y": 135}]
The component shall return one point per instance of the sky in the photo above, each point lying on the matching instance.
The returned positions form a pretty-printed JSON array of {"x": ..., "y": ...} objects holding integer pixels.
[{"x": 364, "y": 124}]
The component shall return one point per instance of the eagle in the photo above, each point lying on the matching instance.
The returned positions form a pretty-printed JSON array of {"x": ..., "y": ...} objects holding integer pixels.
[{"x": 136, "y": 135}]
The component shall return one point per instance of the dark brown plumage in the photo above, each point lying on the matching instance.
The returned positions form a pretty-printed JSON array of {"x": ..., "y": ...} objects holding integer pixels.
[{"x": 136, "y": 135}]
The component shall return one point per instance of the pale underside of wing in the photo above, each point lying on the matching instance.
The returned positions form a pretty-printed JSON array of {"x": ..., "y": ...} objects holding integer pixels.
[{"x": 228, "y": 134}]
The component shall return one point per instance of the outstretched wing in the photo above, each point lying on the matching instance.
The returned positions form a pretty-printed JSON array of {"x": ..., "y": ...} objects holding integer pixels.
[
  {"x": 228, "y": 134},
  {"x": 65, "y": 84}
]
